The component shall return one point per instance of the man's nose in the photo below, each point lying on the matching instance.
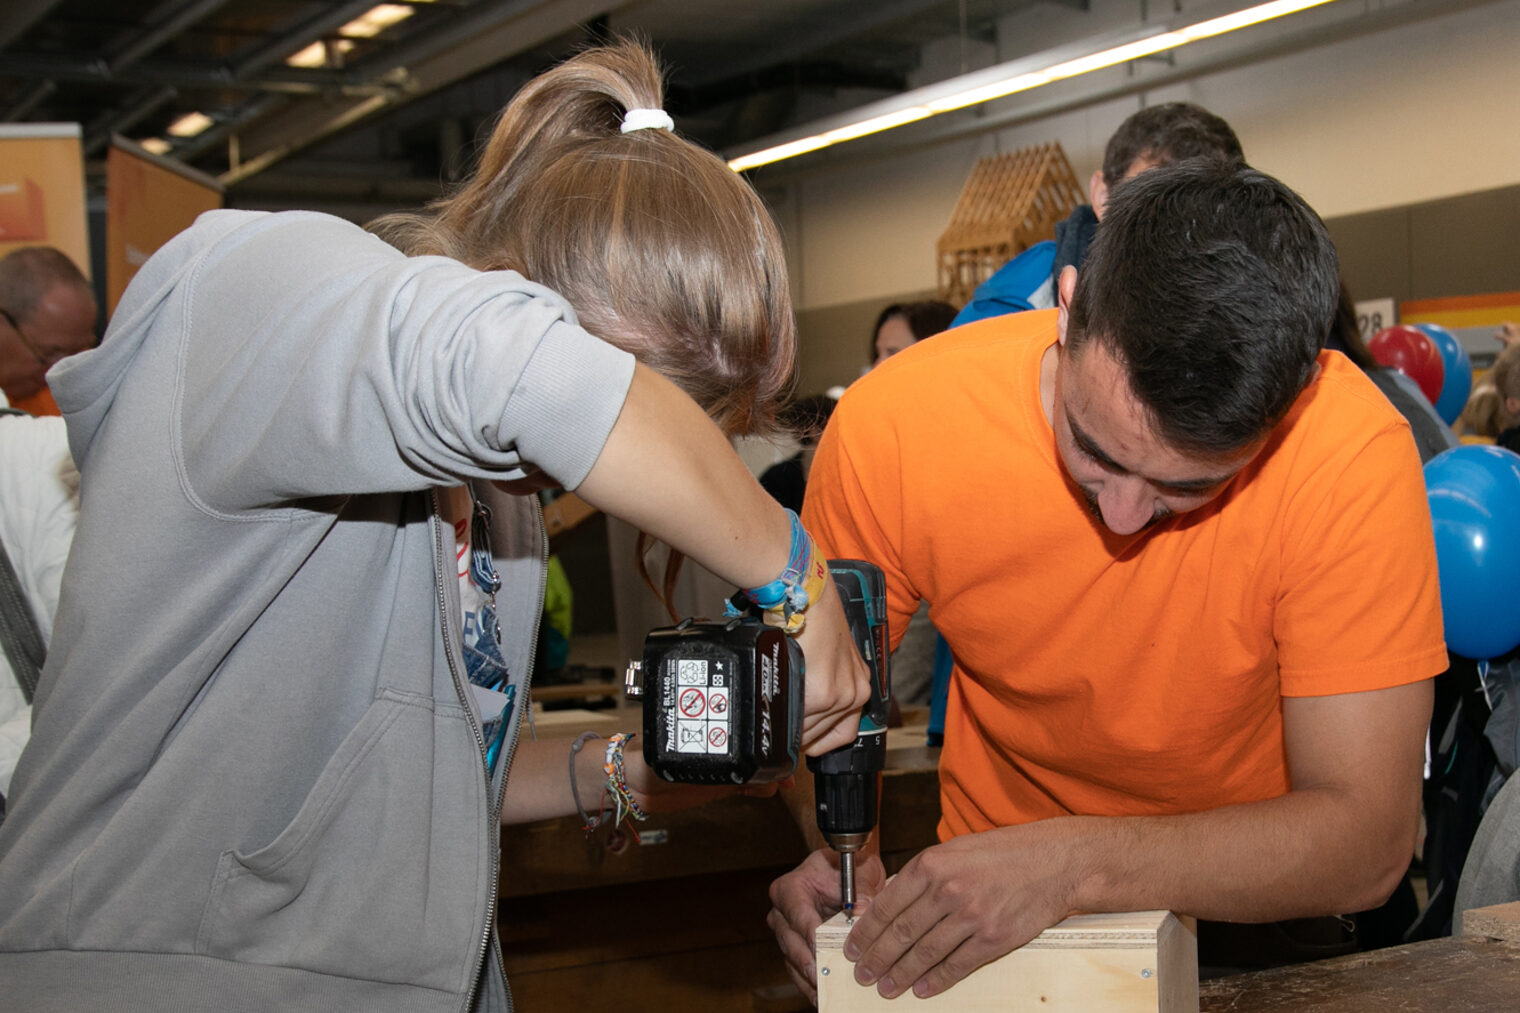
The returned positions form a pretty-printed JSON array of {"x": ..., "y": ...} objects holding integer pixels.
[{"x": 1126, "y": 504}]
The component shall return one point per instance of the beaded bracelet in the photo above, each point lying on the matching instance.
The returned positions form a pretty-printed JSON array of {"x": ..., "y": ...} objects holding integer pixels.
[
  {"x": 624, "y": 804},
  {"x": 588, "y": 823},
  {"x": 785, "y": 599}
]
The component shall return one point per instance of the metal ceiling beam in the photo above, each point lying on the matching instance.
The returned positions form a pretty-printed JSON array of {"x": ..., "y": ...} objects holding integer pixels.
[
  {"x": 164, "y": 23},
  {"x": 284, "y": 80},
  {"x": 465, "y": 46},
  {"x": 312, "y": 29},
  {"x": 145, "y": 103},
  {"x": 29, "y": 100},
  {"x": 19, "y": 15},
  {"x": 222, "y": 133}
]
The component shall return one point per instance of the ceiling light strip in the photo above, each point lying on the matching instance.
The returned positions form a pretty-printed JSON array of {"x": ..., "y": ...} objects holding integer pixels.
[{"x": 1015, "y": 76}]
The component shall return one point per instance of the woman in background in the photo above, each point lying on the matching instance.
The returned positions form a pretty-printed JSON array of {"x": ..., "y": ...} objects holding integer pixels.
[{"x": 902, "y": 324}]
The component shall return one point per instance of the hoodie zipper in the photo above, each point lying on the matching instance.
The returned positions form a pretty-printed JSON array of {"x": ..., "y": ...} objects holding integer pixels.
[
  {"x": 439, "y": 566},
  {"x": 449, "y": 635}
]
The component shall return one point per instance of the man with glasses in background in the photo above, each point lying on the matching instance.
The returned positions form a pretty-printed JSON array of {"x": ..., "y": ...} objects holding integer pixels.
[{"x": 47, "y": 312}]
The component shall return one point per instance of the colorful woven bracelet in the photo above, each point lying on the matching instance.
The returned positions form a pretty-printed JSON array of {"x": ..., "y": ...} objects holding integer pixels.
[
  {"x": 624, "y": 804},
  {"x": 785, "y": 599}
]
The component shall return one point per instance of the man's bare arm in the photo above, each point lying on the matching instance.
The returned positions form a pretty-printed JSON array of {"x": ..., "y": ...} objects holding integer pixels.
[{"x": 1337, "y": 842}]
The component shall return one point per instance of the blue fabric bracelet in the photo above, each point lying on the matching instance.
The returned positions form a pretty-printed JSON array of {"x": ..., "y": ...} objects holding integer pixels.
[{"x": 789, "y": 595}]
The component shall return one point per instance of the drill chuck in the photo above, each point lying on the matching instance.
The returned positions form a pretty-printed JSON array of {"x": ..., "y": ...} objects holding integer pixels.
[{"x": 846, "y": 805}]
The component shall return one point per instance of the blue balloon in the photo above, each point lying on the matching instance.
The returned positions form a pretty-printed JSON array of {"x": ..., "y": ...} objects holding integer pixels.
[
  {"x": 1474, "y": 494},
  {"x": 1458, "y": 382}
]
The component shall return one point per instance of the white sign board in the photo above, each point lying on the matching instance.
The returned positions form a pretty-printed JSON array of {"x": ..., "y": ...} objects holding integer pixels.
[{"x": 1372, "y": 315}]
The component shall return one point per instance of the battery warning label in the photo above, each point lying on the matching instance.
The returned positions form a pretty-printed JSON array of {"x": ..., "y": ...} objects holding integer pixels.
[
  {"x": 701, "y": 720},
  {"x": 693, "y": 702}
]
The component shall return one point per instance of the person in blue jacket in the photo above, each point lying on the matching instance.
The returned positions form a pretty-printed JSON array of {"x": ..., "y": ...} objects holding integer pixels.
[{"x": 1154, "y": 136}]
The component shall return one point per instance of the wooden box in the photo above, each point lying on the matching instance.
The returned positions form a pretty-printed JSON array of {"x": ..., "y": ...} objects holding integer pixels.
[{"x": 1101, "y": 963}]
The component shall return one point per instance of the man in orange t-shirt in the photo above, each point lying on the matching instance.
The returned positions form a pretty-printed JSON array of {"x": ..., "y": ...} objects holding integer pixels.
[
  {"x": 47, "y": 312},
  {"x": 1184, "y": 562}
]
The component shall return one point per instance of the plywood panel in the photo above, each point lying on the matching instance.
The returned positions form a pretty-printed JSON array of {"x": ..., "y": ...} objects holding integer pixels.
[{"x": 1099, "y": 963}]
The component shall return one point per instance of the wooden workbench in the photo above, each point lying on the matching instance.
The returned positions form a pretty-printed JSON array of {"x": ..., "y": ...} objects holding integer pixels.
[{"x": 1470, "y": 973}]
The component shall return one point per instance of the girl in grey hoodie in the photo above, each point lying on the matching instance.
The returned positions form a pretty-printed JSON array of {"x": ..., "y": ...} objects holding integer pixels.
[{"x": 261, "y": 775}]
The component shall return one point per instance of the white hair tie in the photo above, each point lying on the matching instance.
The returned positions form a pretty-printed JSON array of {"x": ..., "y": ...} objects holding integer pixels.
[{"x": 647, "y": 119}]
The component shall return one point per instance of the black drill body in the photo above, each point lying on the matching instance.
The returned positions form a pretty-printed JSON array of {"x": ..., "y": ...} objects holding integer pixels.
[{"x": 723, "y": 704}]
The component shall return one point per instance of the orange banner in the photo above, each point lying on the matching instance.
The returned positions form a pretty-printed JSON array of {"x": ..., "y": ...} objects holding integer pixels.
[
  {"x": 149, "y": 200},
  {"x": 1463, "y": 310},
  {"x": 42, "y": 190}
]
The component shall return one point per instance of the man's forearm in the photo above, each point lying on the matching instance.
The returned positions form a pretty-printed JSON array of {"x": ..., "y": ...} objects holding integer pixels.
[{"x": 1310, "y": 852}]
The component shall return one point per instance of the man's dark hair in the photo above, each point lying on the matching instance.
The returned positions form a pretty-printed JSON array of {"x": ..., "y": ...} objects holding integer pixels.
[
  {"x": 925, "y": 319},
  {"x": 1171, "y": 132},
  {"x": 26, "y": 274},
  {"x": 1214, "y": 287}
]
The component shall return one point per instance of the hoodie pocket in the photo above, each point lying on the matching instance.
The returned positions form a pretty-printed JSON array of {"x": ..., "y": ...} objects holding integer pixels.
[{"x": 382, "y": 873}]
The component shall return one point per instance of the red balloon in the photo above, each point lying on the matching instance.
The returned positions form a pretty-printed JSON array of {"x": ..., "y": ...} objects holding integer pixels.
[{"x": 1411, "y": 352}]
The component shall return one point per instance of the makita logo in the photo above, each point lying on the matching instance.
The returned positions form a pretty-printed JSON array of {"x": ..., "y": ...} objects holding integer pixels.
[{"x": 770, "y": 664}]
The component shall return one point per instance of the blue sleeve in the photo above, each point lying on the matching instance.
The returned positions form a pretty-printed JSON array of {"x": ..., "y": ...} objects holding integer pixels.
[{"x": 1014, "y": 287}]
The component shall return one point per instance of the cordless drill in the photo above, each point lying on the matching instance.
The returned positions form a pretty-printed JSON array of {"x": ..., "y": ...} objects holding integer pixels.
[
  {"x": 723, "y": 704},
  {"x": 845, "y": 779}
]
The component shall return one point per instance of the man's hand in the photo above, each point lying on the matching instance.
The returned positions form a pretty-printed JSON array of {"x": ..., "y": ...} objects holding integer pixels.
[
  {"x": 808, "y": 895},
  {"x": 960, "y": 904}
]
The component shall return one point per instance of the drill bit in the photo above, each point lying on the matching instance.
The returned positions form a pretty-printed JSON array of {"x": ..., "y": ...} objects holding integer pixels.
[{"x": 847, "y": 885}]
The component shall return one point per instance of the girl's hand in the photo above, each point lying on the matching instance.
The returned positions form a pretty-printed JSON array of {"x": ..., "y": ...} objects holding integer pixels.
[{"x": 838, "y": 681}]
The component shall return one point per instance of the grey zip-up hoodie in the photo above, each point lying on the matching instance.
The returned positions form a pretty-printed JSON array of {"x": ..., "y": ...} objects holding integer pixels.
[{"x": 254, "y": 782}]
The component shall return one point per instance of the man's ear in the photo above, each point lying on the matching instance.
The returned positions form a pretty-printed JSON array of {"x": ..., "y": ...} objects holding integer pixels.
[
  {"x": 1512, "y": 407},
  {"x": 1066, "y": 286},
  {"x": 1097, "y": 193}
]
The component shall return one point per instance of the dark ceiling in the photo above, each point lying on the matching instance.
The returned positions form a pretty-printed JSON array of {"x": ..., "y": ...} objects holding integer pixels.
[{"x": 407, "y": 103}]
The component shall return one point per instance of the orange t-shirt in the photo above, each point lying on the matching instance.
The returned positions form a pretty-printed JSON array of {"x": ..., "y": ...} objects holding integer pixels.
[
  {"x": 1107, "y": 675},
  {"x": 40, "y": 403}
]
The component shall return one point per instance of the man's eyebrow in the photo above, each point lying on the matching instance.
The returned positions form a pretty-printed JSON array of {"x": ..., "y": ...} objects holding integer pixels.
[
  {"x": 1194, "y": 485},
  {"x": 1090, "y": 448},
  {"x": 1185, "y": 486}
]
